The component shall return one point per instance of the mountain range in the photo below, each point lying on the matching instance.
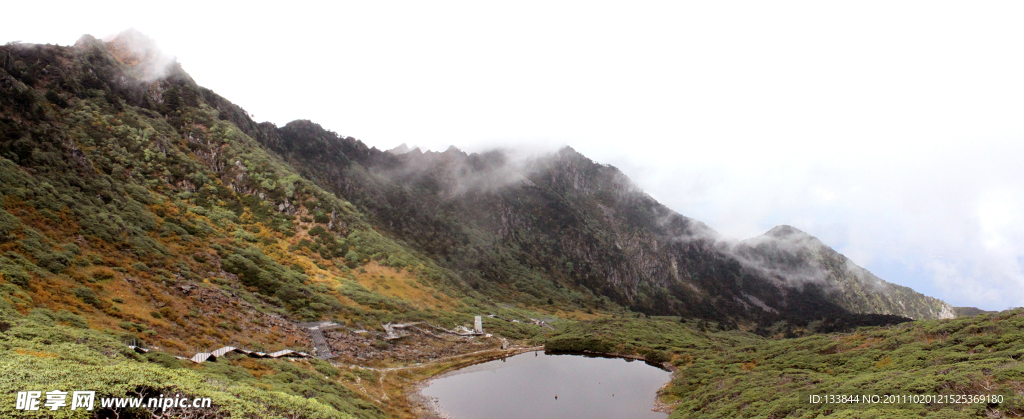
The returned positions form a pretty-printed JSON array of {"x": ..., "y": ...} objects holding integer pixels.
[
  {"x": 522, "y": 228},
  {"x": 141, "y": 206},
  {"x": 546, "y": 229}
]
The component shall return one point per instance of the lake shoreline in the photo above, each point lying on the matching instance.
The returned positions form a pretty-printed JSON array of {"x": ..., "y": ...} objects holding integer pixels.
[
  {"x": 667, "y": 366},
  {"x": 428, "y": 407}
]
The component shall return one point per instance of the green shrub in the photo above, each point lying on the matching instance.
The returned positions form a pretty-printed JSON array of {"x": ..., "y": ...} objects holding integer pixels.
[
  {"x": 572, "y": 344},
  {"x": 14, "y": 274},
  {"x": 163, "y": 359},
  {"x": 71, "y": 248},
  {"x": 245, "y": 235},
  {"x": 87, "y": 295},
  {"x": 132, "y": 326},
  {"x": 657, "y": 357},
  {"x": 71, "y": 319},
  {"x": 8, "y": 225},
  {"x": 325, "y": 368}
]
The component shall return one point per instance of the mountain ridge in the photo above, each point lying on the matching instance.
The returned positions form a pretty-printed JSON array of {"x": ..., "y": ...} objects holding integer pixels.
[
  {"x": 158, "y": 213},
  {"x": 559, "y": 180},
  {"x": 559, "y": 226},
  {"x": 786, "y": 249}
]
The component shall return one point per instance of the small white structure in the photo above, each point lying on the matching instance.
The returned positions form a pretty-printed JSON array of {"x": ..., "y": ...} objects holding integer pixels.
[
  {"x": 478, "y": 325},
  {"x": 390, "y": 332}
]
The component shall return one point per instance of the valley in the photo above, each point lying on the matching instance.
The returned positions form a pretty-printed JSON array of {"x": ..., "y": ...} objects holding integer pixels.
[{"x": 154, "y": 212}]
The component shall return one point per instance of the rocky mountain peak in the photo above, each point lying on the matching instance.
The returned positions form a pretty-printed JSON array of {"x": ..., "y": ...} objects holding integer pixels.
[
  {"x": 402, "y": 149},
  {"x": 137, "y": 50},
  {"x": 786, "y": 231}
]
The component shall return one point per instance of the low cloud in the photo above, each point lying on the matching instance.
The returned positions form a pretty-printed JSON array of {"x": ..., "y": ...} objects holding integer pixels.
[
  {"x": 142, "y": 53},
  {"x": 946, "y": 221},
  {"x": 463, "y": 172},
  {"x": 783, "y": 254}
]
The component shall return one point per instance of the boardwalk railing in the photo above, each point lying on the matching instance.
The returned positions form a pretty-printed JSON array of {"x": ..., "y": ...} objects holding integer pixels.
[{"x": 212, "y": 356}]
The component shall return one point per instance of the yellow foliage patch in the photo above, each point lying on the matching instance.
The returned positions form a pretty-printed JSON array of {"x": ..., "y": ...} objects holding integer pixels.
[
  {"x": 256, "y": 368},
  {"x": 37, "y": 354},
  {"x": 403, "y": 285}
]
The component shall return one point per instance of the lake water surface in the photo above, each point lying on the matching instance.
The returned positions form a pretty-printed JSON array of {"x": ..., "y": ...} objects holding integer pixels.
[{"x": 525, "y": 385}]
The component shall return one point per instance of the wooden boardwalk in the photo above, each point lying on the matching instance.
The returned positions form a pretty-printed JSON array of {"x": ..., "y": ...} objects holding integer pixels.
[
  {"x": 212, "y": 356},
  {"x": 322, "y": 349}
]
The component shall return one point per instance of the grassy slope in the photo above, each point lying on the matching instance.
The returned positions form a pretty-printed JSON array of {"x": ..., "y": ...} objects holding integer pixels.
[
  {"x": 729, "y": 374},
  {"x": 37, "y": 352},
  {"x": 162, "y": 223}
]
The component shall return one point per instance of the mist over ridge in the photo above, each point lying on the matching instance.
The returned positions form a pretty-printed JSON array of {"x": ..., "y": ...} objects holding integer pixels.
[
  {"x": 487, "y": 190},
  {"x": 784, "y": 254},
  {"x": 528, "y": 226},
  {"x": 491, "y": 171},
  {"x": 746, "y": 149}
]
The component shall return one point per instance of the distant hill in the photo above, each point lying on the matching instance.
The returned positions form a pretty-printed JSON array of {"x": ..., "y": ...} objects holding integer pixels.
[
  {"x": 970, "y": 311},
  {"x": 788, "y": 254}
]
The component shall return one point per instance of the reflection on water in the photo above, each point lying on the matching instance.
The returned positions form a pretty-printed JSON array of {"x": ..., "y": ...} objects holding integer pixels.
[{"x": 525, "y": 386}]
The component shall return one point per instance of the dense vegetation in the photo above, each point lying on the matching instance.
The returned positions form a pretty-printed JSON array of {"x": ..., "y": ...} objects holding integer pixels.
[
  {"x": 48, "y": 350},
  {"x": 114, "y": 185},
  {"x": 730, "y": 373},
  {"x": 137, "y": 209}
]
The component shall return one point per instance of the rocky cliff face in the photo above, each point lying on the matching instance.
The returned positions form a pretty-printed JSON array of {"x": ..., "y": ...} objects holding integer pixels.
[{"x": 525, "y": 228}]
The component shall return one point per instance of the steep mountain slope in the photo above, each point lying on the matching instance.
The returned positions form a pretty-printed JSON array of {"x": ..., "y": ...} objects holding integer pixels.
[
  {"x": 133, "y": 206},
  {"x": 525, "y": 228},
  {"x": 788, "y": 254}
]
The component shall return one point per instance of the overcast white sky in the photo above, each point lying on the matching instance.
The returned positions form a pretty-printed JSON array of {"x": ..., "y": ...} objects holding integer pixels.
[{"x": 890, "y": 130}]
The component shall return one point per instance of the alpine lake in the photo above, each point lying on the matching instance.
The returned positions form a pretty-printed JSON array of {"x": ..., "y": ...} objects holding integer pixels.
[{"x": 539, "y": 385}]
